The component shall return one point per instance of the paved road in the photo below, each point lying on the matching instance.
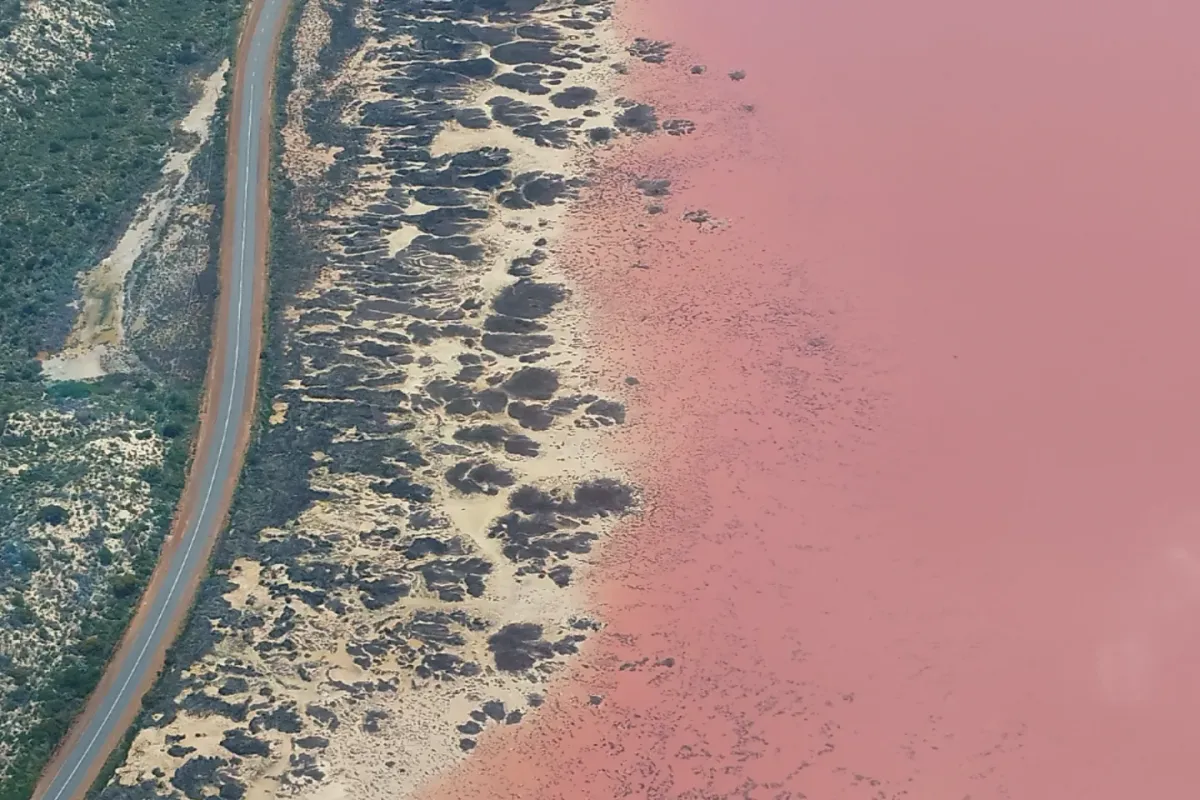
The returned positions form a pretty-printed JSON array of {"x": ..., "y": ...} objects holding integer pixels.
[{"x": 230, "y": 395}]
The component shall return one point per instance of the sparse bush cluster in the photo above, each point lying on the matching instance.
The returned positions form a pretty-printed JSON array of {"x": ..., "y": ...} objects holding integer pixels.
[{"x": 80, "y": 528}]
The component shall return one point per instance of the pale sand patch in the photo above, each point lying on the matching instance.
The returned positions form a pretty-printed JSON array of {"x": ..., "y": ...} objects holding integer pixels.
[
  {"x": 95, "y": 344},
  {"x": 419, "y": 732},
  {"x": 150, "y": 745},
  {"x": 302, "y": 158}
]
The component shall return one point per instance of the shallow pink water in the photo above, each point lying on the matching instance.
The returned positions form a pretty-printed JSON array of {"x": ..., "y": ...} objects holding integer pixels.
[{"x": 921, "y": 427}]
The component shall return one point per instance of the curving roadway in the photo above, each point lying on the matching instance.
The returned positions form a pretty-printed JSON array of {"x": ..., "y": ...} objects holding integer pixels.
[{"x": 230, "y": 390}]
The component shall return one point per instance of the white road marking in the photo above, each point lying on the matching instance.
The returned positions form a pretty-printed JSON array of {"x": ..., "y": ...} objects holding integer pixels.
[{"x": 237, "y": 347}]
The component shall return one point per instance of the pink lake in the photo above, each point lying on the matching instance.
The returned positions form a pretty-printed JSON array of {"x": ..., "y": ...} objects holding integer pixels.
[{"x": 919, "y": 426}]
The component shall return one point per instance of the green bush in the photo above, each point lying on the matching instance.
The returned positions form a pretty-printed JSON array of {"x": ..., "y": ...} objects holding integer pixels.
[
  {"x": 125, "y": 584},
  {"x": 69, "y": 389},
  {"x": 152, "y": 474},
  {"x": 53, "y": 515}
]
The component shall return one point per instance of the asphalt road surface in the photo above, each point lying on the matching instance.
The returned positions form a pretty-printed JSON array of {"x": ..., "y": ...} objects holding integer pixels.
[{"x": 230, "y": 395}]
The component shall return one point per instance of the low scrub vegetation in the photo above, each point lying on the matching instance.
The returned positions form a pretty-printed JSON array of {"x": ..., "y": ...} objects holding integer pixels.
[{"x": 90, "y": 471}]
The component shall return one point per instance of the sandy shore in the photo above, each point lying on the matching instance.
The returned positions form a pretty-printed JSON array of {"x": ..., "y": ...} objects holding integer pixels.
[{"x": 423, "y": 585}]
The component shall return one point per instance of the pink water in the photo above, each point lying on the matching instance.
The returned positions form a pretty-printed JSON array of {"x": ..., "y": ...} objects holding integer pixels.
[{"x": 920, "y": 428}]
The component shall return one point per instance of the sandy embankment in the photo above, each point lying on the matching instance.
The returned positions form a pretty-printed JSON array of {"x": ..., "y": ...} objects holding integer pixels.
[
  {"x": 427, "y": 591},
  {"x": 916, "y": 428}
]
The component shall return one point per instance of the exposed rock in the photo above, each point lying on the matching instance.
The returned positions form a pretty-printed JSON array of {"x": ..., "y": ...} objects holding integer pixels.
[
  {"x": 679, "y": 127},
  {"x": 649, "y": 50},
  {"x": 654, "y": 187},
  {"x": 519, "y": 646},
  {"x": 532, "y": 383},
  {"x": 241, "y": 743},
  {"x": 639, "y": 118},
  {"x": 574, "y": 97}
]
